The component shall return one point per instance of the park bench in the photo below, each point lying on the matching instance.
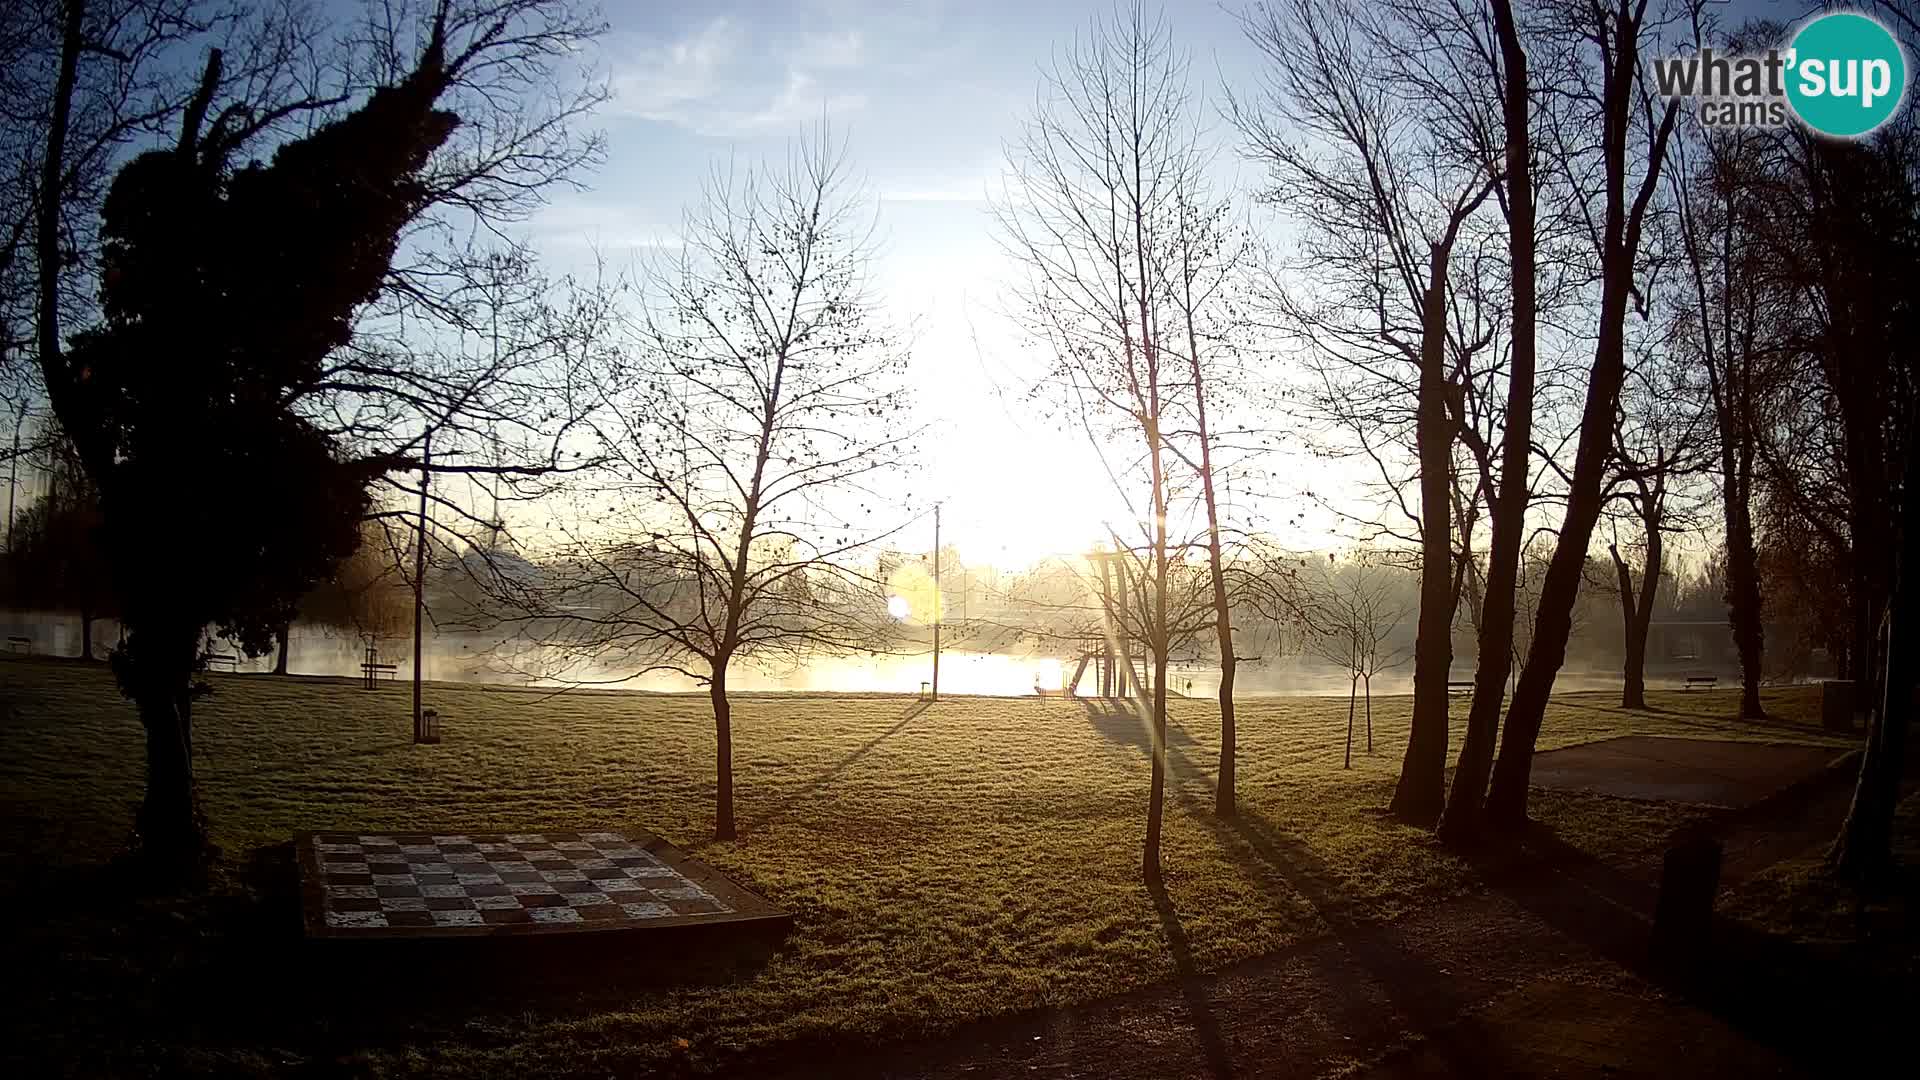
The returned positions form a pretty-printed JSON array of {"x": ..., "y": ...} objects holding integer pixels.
[
  {"x": 19, "y": 644},
  {"x": 1455, "y": 689},
  {"x": 1701, "y": 682},
  {"x": 373, "y": 671},
  {"x": 231, "y": 661}
]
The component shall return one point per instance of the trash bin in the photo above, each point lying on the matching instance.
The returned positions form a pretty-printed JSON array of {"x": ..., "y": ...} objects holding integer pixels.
[
  {"x": 429, "y": 727},
  {"x": 1836, "y": 704}
]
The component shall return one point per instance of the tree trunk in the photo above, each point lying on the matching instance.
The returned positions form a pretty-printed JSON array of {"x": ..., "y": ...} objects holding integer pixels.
[
  {"x": 1460, "y": 823},
  {"x": 280, "y": 637},
  {"x": 1864, "y": 849},
  {"x": 1731, "y": 388},
  {"x": 1421, "y": 792},
  {"x": 155, "y": 669},
  {"x": 1223, "y": 794},
  {"x": 1643, "y": 618},
  {"x": 1353, "y": 695},
  {"x": 1636, "y": 614},
  {"x": 723, "y": 827},
  {"x": 1223, "y": 791},
  {"x": 86, "y": 632},
  {"x": 1743, "y": 603},
  {"x": 1367, "y": 682},
  {"x": 1868, "y": 513},
  {"x": 1156, "y": 799},
  {"x": 1507, "y": 798}
]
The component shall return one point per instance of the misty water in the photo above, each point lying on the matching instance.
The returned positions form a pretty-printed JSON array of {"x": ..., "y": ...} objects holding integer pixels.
[{"x": 477, "y": 658}]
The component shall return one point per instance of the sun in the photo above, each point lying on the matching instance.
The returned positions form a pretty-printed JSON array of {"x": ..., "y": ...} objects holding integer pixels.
[{"x": 899, "y": 608}]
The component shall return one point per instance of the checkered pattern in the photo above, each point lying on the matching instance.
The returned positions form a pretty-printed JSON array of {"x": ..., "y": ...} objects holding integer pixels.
[{"x": 376, "y": 882}]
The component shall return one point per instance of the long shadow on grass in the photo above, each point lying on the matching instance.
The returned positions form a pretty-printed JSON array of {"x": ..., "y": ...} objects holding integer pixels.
[
  {"x": 1426, "y": 996},
  {"x": 1123, "y": 727},
  {"x": 1192, "y": 987},
  {"x": 781, "y": 808}
]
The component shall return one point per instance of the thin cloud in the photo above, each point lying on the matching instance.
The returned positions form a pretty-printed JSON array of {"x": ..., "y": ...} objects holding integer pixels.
[
  {"x": 718, "y": 82},
  {"x": 663, "y": 78}
]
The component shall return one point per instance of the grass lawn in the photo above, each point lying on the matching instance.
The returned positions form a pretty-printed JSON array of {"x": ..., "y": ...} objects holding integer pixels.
[{"x": 944, "y": 863}]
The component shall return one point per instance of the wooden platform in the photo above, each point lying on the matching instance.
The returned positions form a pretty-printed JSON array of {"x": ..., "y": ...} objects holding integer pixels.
[
  {"x": 1709, "y": 771},
  {"x": 454, "y": 884}
]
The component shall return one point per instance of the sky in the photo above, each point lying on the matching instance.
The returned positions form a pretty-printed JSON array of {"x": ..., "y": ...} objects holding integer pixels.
[{"x": 925, "y": 94}]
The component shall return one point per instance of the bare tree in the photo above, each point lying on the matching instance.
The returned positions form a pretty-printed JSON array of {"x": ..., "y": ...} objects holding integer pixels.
[
  {"x": 1385, "y": 184},
  {"x": 1092, "y": 214},
  {"x": 1210, "y": 259},
  {"x": 1729, "y": 317},
  {"x": 1494, "y": 619},
  {"x": 751, "y": 434},
  {"x": 1629, "y": 124},
  {"x": 1353, "y": 612},
  {"x": 1660, "y": 444}
]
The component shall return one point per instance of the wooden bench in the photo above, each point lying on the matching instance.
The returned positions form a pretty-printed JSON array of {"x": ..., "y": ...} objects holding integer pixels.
[
  {"x": 1701, "y": 682},
  {"x": 231, "y": 661},
  {"x": 1455, "y": 689},
  {"x": 19, "y": 644},
  {"x": 373, "y": 671}
]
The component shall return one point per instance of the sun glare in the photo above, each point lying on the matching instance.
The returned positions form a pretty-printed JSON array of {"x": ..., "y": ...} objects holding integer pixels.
[{"x": 899, "y": 608}]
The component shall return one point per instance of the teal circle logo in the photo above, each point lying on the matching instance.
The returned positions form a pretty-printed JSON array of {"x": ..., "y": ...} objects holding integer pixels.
[{"x": 1847, "y": 75}]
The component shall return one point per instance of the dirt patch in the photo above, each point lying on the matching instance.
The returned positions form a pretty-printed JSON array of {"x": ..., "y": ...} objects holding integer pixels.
[{"x": 1708, "y": 771}]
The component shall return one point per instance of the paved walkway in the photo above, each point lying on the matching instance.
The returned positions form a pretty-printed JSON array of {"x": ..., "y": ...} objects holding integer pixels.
[{"x": 1714, "y": 772}]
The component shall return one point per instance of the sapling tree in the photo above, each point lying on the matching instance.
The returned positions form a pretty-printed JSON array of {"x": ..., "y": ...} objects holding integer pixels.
[
  {"x": 1354, "y": 611},
  {"x": 754, "y": 432}
]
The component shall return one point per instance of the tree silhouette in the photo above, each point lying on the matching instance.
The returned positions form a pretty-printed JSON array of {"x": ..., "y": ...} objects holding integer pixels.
[
  {"x": 223, "y": 292},
  {"x": 1633, "y": 150},
  {"x": 748, "y": 437},
  {"x": 1363, "y": 152},
  {"x": 1098, "y": 208}
]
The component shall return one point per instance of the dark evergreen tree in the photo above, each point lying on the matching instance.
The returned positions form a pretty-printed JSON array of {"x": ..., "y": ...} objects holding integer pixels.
[{"x": 224, "y": 290}]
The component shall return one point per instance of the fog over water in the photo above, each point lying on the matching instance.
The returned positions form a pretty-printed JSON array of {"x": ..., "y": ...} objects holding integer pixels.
[{"x": 487, "y": 659}]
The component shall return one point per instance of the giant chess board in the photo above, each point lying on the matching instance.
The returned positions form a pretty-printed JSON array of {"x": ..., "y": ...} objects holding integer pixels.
[{"x": 365, "y": 885}]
